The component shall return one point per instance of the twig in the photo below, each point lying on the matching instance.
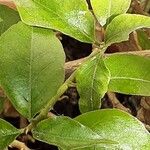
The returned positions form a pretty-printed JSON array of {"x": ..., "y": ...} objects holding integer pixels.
[
  {"x": 73, "y": 65},
  {"x": 44, "y": 112},
  {"x": 116, "y": 103},
  {"x": 19, "y": 145},
  {"x": 147, "y": 127}
]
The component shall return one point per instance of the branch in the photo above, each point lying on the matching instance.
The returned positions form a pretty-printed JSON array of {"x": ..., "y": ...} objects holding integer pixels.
[
  {"x": 73, "y": 65},
  {"x": 19, "y": 145}
]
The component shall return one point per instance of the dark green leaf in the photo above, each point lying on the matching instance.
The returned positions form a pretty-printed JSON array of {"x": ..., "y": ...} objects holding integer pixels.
[
  {"x": 144, "y": 40},
  {"x": 8, "y": 17},
  {"x": 130, "y": 74},
  {"x": 92, "y": 83},
  {"x": 8, "y": 133},
  {"x": 103, "y": 9},
  {"x": 118, "y": 126},
  {"x": 121, "y": 26},
  {"x": 70, "y": 17},
  {"x": 32, "y": 67},
  {"x": 67, "y": 134}
]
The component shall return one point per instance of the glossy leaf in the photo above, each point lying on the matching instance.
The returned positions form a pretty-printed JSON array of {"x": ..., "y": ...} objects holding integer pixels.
[
  {"x": 32, "y": 67},
  {"x": 8, "y": 17},
  {"x": 121, "y": 26},
  {"x": 119, "y": 126},
  {"x": 144, "y": 40},
  {"x": 67, "y": 134},
  {"x": 130, "y": 74},
  {"x": 70, "y": 17},
  {"x": 92, "y": 83},
  {"x": 8, "y": 133},
  {"x": 104, "y": 9}
]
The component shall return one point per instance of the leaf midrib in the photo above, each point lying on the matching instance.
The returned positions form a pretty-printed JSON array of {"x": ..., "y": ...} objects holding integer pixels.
[
  {"x": 129, "y": 78},
  {"x": 30, "y": 75},
  {"x": 92, "y": 84}
]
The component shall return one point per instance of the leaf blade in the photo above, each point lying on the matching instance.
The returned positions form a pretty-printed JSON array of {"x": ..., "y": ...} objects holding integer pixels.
[
  {"x": 30, "y": 77},
  {"x": 66, "y": 133},
  {"x": 105, "y": 9},
  {"x": 8, "y": 133},
  {"x": 119, "y": 126},
  {"x": 130, "y": 74},
  {"x": 121, "y": 26},
  {"x": 72, "y": 18},
  {"x": 92, "y": 83},
  {"x": 8, "y": 17}
]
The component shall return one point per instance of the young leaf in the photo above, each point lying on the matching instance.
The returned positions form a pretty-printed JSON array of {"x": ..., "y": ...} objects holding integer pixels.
[
  {"x": 8, "y": 17},
  {"x": 105, "y": 9},
  {"x": 130, "y": 74},
  {"x": 70, "y": 17},
  {"x": 121, "y": 26},
  {"x": 119, "y": 126},
  {"x": 32, "y": 67},
  {"x": 67, "y": 134},
  {"x": 92, "y": 83},
  {"x": 8, "y": 133}
]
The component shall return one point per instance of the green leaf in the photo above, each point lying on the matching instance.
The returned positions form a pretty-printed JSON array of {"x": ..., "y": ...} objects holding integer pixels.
[
  {"x": 8, "y": 17},
  {"x": 119, "y": 126},
  {"x": 32, "y": 67},
  {"x": 8, "y": 133},
  {"x": 121, "y": 26},
  {"x": 105, "y": 9},
  {"x": 130, "y": 74},
  {"x": 70, "y": 17},
  {"x": 92, "y": 83},
  {"x": 144, "y": 40},
  {"x": 67, "y": 133}
]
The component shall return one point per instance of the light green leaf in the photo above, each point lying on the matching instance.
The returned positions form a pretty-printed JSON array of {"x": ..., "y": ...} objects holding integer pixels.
[
  {"x": 104, "y": 9},
  {"x": 32, "y": 67},
  {"x": 119, "y": 126},
  {"x": 8, "y": 17},
  {"x": 121, "y": 26},
  {"x": 67, "y": 134},
  {"x": 130, "y": 74},
  {"x": 8, "y": 133},
  {"x": 144, "y": 40},
  {"x": 92, "y": 83},
  {"x": 70, "y": 17}
]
